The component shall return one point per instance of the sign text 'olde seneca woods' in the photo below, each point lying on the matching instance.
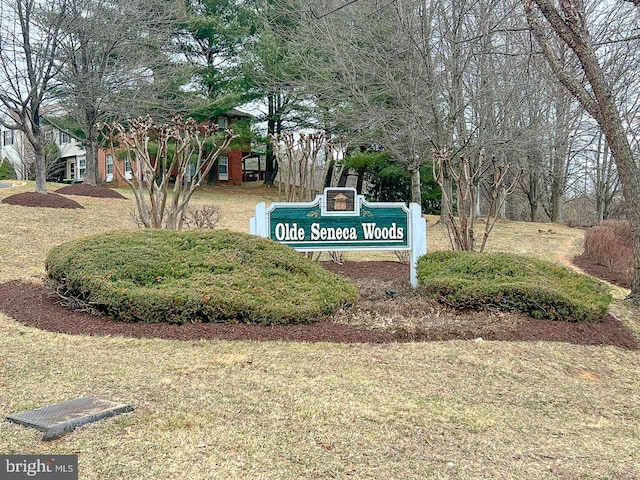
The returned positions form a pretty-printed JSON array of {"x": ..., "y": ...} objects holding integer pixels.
[{"x": 341, "y": 220}]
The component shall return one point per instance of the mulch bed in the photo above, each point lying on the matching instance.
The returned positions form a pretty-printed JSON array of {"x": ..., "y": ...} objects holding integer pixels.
[
  {"x": 36, "y": 306},
  {"x": 58, "y": 200},
  {"x": 605, "y": 273},
  {"x": 48, "y": 200},
  {"x": 86, "y": 190}
]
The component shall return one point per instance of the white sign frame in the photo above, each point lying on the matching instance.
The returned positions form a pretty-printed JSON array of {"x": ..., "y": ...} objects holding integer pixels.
[{"x": 259, "y": 225}]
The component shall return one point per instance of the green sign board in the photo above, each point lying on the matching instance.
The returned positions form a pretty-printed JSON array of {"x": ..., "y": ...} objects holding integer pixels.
[
  {"x": 305, "y": 228},
  {"x": 341, "y": 220}
]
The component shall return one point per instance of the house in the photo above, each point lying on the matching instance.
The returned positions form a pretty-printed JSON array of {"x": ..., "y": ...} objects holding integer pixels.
[
  {"x": 72, "y": 155},
  {"x": 236, "y": 165},
  {"x": 239, "y": 164},
  {"x": 113, "y": 167},
  {"x": 16, "y": 150},
  {"x": 68, "y": 162}
]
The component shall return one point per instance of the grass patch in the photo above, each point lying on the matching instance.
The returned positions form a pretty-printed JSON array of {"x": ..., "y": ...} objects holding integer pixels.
[
  {"x": 200, "y": 275},
  {"x": 246, "y": 410},
  {"x": 243, "y": 410},
  {"x": 514, "y": 283}
]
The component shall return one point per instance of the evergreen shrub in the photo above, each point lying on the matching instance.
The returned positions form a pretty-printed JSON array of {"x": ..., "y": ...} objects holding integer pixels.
[
  {"x": 7, "y": 172},
  {"x": 472, "y": 280},
  {"x": 196, "y": 276}
]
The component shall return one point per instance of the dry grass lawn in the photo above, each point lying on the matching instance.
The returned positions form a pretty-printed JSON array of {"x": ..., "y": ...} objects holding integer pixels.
[{"x": 248, "y": 410}]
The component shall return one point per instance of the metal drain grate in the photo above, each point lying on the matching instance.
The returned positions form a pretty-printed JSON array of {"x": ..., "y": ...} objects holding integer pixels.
[{"x": 56, "y": 420}]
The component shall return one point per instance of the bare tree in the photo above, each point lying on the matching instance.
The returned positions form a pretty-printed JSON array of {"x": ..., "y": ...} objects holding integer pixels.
[
  {"x": 30, "y": 35},
  {"x": 306, "y": 163},
  {"x": 410, "y": 77},
  {"x": 359, "y": 83},
  {"x": 568, "y": 23},
  {"x": 115, "y": 64},
  {"x": 186, "y": 152},
  {"x": 462, "y": 229},
  {"x": 606, "y": 180},
  {"x": 301, "y": 163}
]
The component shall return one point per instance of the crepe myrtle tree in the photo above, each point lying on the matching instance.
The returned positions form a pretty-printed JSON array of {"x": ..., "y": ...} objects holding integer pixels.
[
  {"x": 300, "y": 157},
  {"x": 186, "y": 151},
  {"x": 466, "y": 176},
  {"x": 304, "y": 161}
]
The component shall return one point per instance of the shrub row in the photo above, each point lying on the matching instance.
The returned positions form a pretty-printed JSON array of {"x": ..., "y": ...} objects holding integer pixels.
[
  {"x": 198, "y": 275},
  {"x": 512, "y": 282}
]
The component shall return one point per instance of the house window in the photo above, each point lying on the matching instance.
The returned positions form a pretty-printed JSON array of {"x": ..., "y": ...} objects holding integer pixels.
[
  {"x": 223, "y": 167},
  {"x": 8, "y": 137},
  {"x": 64, "y": 138},
  {"x": 109, "y": 159},
  {"x": 127, "y": 168},
  {"x": 48, "y": 136},
  {"x": 82, "y": 166},
  {"x": 223, "y": 123}
]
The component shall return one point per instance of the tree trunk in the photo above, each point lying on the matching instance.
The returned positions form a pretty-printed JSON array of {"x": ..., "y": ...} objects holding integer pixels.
[
  {"x": 416, "y": 193},
  {"x": 559, "y": 152},
  {"x": 533, "y": 210},
  {"x": 558, "y": 162},
  {"x": 34, "y": 136},
  {"x": 91, "y": 147},
  {"x": 359, "y": 182},
  {"x": 557, "y": 199},
  {"x": 271, "y": 166},
  {"x": 598, "y": 99},
  {"x": 91, "y": 173},
  {"x": 533, "y": 197},
  {"x": 604, "y": 189},
  {"x": 274, "y": 127},
  {"x": 446, "y": 210},
  {"x": 41, "y": 169},
  {"x": 502, "y": 212}
]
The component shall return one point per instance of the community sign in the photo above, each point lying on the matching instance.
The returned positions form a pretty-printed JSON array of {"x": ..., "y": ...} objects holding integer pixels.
[{"x": 342, "y": 220}]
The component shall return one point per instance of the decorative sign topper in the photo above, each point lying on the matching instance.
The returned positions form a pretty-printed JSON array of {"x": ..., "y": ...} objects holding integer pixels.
[{"x": 342, "y": 220}]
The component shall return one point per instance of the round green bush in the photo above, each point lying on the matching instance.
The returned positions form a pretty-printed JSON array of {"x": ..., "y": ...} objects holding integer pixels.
[
  {"x": 514, "y": 283},
  {"x": 209, "y": 276}
]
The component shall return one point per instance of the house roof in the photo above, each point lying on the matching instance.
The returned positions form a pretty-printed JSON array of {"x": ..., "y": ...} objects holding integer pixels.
[
  {"x": 53, "y": 121},
  {"x": 234, "y": 112}
]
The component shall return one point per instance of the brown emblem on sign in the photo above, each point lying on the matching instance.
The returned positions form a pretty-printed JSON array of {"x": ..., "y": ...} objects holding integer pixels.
[{"x": 340, "y": 200}]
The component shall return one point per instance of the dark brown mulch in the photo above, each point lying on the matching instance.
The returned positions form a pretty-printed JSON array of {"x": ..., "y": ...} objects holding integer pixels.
[
  {"x": 387, "y": 271},
  {"x": 34, "y": 306},
  {"x": 85, "y": 190},
  {"x": 605, "y": 273},
  {"x": 34, "y": 199}
]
